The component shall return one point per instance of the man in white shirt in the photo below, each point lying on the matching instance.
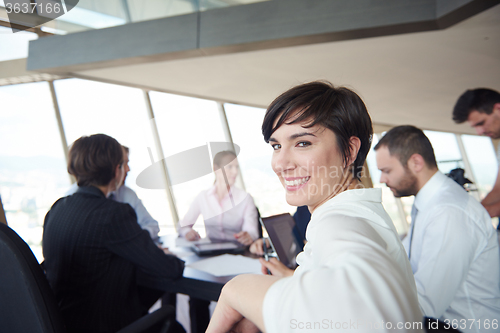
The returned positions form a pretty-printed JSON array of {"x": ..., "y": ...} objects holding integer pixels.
[
  {"x": 481, "y": 109},
  {"x": 127, "y": 195},
  {"x": 452, "y": 245}
]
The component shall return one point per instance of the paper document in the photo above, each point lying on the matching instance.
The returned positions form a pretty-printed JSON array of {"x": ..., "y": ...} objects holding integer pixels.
[{"x": 228, "y": 264}]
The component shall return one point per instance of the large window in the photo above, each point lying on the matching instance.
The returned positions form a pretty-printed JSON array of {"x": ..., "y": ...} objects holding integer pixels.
[
  {"x": 89, "y": 107},
  {"x": 255, "y": 160},
  {"x": 448, "y": 156},
  {"x": 33, "y": 169},
  {"x": 32, "y": 164},
  {"x": 482, "y": 159},
  {"x": 14, "y": 46},
  {"x": 185, "y": 123}
]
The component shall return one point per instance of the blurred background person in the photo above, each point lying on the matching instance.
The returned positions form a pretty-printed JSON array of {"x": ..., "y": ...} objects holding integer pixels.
[{"x": 229, "y": 212}]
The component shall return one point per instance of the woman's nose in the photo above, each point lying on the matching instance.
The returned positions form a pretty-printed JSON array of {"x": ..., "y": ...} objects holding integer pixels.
[{"x": 282, "y": 161}]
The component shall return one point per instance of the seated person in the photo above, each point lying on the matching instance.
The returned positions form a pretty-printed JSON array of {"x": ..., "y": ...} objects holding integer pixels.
[
  {"x": 94, "y": 249},
  {"x": 301, "y": 217},
  {"x": 229, "y": 212},
  {"x": 126, "y": 195},
  {"x": 354, "y": 268},
  {"x": 452, "y": 245}
]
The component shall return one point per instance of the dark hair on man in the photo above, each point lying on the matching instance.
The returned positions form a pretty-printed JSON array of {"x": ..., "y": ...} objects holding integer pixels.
[
  {"x": 481, "y": 100},
  {"x": 404, "y": 141},
  {"x": 320, "y": 103},
  {"x": 93, "y": 159}
]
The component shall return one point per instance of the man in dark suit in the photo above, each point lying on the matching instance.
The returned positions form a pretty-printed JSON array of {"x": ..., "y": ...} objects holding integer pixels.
[{"x": 94, "y": 248}]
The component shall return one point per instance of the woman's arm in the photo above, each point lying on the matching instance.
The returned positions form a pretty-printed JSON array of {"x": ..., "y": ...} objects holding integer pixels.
[
  {"x": 242, "y": 297},
  {"x": 187, "y": 222}
]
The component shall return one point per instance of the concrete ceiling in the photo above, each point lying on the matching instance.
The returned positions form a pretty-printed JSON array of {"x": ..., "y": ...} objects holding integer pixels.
[{"x": 404, "y": 79}]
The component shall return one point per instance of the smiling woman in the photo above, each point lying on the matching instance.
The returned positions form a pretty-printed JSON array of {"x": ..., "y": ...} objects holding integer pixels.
[
  {"x": 353, "y": 268},
  {"x": 323, "y": 156}
]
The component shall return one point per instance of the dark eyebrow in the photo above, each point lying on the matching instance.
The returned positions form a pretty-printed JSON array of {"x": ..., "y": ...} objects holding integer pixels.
[
  {"x": 294, "y": 136},
  {"x": 479, "y": 123},
  {"x": 298, "y": 135}
]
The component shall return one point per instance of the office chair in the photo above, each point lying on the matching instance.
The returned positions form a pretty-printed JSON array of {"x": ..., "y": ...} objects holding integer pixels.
[{"x": 28, "y": 303}]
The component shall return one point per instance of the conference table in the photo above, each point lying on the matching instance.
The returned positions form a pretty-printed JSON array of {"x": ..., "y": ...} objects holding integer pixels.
[{"x": 194, "y": 282}]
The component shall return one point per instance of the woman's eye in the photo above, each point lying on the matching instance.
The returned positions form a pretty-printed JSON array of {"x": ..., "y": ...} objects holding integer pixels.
[
  {"x": 276, "y": 146},
  {"x": 303, "y": 144}
]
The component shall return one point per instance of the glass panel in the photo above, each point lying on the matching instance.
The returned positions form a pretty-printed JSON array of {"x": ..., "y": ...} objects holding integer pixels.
[
  {"x": 388, "y": 200},
  {"x": 185, "y": 123},
  {"x": 154, "y": 9},
  {"x": 98, "y": 14},
  {"x": 89, "y": 107},
  {"x": 14, "y": 45},
  {"x": 446, "y": 150},
  {"x": 481, "y": 155},
  {"x": 32, "y": 164},
  {"x": 255, "y": 160}
]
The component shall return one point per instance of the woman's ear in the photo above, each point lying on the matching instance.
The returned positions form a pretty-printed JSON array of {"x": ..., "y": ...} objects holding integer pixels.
[{"x": 354, "y": 145}]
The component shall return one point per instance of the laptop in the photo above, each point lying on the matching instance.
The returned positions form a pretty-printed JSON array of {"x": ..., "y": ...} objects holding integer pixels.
[{"x": 284, "y": 242}]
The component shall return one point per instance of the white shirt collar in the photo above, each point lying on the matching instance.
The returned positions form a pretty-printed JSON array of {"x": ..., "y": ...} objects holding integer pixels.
[
  {"x": 364, "y": 194},
  {"x": 424, "y": 196}
]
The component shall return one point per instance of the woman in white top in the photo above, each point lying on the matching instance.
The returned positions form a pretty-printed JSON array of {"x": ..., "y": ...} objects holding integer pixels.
[
  {"x": 353, "y": 273},
  {"x": 229, "y": 212}
]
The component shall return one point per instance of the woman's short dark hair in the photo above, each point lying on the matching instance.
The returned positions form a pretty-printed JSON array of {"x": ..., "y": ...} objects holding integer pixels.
[
  {"x": 320, "y": 103},
  {"x": 93, "y": 159},
  {"x": 481, "y": 100}
]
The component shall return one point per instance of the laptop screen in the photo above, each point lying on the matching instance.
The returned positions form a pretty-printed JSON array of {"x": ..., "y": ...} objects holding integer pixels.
[{"x": 280, "y": 229}]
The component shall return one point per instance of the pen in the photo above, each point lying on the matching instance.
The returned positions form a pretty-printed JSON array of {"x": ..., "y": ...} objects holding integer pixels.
[{"x": 266, "y": 256}]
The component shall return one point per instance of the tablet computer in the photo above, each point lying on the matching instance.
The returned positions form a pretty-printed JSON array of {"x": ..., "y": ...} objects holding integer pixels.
[
  {"x": 217, "y": 247},
  {"x": 280, "y": 229}
]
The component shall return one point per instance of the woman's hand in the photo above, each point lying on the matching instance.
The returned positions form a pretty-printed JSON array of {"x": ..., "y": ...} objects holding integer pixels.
[
  {"x": 244, "y": 238},
  {"x": 276, "y": 267},
  {"x": 192, "y": 235},
  {"x": 257, "y": 246}
]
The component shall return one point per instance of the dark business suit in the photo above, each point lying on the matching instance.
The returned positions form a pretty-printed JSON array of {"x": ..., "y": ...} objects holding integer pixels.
[{"x": 93, "y": 249}]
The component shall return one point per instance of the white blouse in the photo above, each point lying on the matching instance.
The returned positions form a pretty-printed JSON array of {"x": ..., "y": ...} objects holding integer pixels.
[
  {"x": 353, "y": 273},
  {"x": 236, "y": 212}
]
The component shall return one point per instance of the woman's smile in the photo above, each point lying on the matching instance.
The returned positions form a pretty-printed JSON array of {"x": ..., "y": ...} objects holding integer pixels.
[{"x": 294, "y": 183}]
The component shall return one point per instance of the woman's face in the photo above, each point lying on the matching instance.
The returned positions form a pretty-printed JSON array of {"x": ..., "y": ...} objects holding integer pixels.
[
  {"x": 231, "y": 168},
  {"x": 307, "y": 162}
]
